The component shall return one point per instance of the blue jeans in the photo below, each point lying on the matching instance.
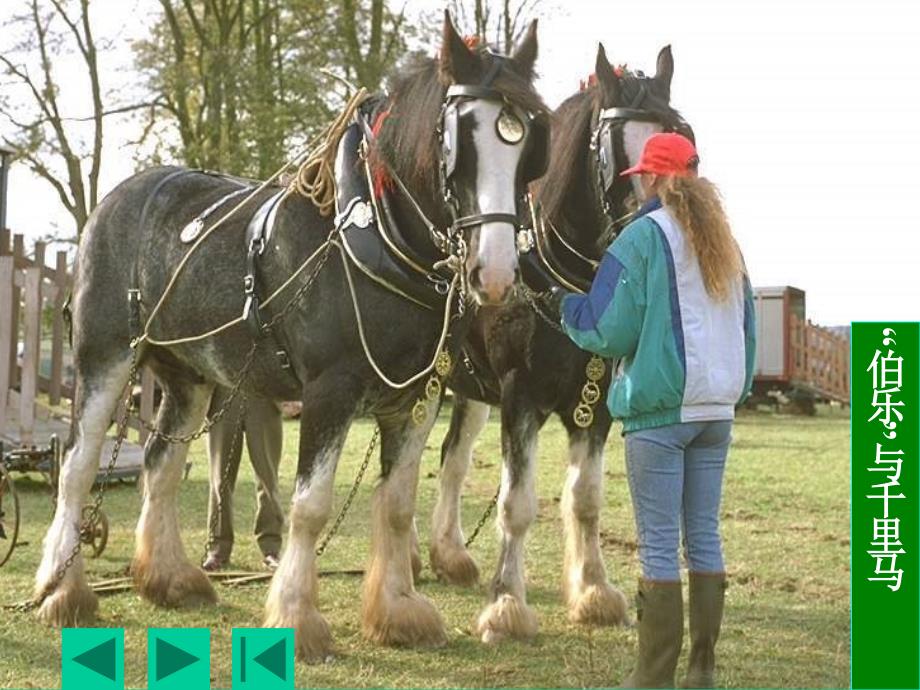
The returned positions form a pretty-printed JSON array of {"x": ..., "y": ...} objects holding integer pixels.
[{"x": 675, "y": 478}]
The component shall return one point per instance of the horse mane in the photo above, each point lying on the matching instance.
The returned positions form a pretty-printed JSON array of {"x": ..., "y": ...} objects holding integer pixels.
[{"x": 407, "y": 141}]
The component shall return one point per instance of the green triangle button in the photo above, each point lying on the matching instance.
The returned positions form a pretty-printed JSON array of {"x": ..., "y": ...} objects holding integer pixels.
[
  {"x": 263, "y": 658},
  {"x": 171, "y": 659},
  {"x": 100, "y": 659},
  {"x": 178, "y": 658},
  {"x": 274, "y": 659},
  {"x": 93, "y": 658}
]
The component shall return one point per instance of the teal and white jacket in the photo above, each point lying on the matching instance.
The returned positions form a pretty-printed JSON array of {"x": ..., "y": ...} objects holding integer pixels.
[{"x": 684, "y": 356}]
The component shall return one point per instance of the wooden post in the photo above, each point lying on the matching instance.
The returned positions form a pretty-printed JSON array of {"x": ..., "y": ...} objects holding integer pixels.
[
  {"x": 18, "y": 261},
  {"x": 6, "y": 333},
  {"x": 57, "y": 329},
  {"x": 32, "y": 319}
]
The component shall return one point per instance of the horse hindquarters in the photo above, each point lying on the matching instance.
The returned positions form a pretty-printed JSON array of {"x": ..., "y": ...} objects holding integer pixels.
[{"x": 449, "y": 557}]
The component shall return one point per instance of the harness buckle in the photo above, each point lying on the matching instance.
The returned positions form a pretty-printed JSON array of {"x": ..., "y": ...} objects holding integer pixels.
[
  {"x": 249, "y": 284},
  {"x": 283, "y": 358},
  {"x": 257, "y": 245}
]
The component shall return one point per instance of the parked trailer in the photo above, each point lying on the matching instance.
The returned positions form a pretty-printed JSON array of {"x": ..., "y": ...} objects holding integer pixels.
[{"x": 795, "y": 356}]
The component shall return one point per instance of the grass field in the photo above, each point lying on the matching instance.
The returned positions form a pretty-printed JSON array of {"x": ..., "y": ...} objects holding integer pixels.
[{"x": 785, "y": 528}]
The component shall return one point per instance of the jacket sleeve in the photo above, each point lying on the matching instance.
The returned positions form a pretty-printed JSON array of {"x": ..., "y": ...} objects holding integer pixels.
[
  {"x": 608, "y": 320},
  {"x": 750, "y": 337}
]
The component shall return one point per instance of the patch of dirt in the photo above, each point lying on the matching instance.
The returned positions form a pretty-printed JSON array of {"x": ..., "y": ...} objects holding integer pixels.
[{"x": 608, "y": 539}]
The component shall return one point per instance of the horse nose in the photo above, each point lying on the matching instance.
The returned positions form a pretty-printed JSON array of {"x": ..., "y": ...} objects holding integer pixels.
[{"x": 493, "y": 287}]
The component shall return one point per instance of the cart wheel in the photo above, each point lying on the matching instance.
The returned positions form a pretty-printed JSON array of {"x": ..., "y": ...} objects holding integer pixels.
[
  {"x": 9, "y": 516},
  {"x": 94, "y": 534}
]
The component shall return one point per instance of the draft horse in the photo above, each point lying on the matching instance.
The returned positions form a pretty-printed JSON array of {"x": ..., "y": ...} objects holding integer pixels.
[
  {"x": 517, "y": 361},
  {"x": 456, "y": 206}
]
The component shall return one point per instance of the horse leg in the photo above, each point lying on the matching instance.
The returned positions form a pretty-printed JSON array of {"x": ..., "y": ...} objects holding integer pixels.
[
  {"x": 394, "y": 613},
  {"x": 71, "y": 601},
  {"x": 447, "y": 550},
  {"x": 508, "y": 614},
  {"x": 329, "y": 404},
  {"x": 161, "y": 569},
  {"x": 590, "y": 598}
]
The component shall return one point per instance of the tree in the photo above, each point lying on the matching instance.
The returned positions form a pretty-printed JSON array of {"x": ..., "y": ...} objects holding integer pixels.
[
  {"x": 47, "y": 140},
  {"x": 501, "y": 22},
  {"x": 238, "y": 79},
  {"x": 368, "y": 61}
]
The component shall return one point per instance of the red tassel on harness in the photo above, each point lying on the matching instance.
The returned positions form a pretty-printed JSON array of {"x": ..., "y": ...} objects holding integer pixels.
[
  {"x": 585, "y": 84},
  {"x": 382, "y": 179}
]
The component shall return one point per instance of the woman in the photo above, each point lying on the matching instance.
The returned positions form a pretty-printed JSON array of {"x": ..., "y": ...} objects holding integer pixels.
[{"x": 672, "y": 301}]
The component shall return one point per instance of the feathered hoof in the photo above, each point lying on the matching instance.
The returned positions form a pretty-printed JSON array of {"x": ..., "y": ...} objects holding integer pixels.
[
  {"x": 409, "y": 620},
  {"x": 507, "y": 617},
  {"x": 179, "y": 586},
  {"x": 454, "y": 565},
  {"x": 312, "y": 636},
  {"x": 69, "y": 606},
  {"x": 601, "y": 604}
]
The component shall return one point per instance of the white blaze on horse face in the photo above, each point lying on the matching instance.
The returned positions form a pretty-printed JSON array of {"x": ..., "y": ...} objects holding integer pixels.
[
  {"x": 496, "y": 191},
  {"x": 635, "y": 134}
]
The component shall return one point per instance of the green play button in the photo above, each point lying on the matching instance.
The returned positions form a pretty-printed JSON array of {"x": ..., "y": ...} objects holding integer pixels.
[
  {"x": 263, "y": 658},
  {"x": 178, "y": 658},
  {"x": 93, "y": 658}
]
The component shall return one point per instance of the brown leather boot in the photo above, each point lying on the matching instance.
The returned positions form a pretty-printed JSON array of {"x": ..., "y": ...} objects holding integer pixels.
[
  {"x": 707, "y": 600},
  {"x": 660, "y": 610}
]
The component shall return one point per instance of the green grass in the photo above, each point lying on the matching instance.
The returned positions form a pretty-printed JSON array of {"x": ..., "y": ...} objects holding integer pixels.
[{"x": 786, "y": 533}]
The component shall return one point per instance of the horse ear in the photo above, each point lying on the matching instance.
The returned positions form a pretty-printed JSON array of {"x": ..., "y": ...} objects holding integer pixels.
[
  {"x": 525, "y": 52},
  {"x": 458, "y": 63},
  {"x": 606, "y": 79},
  {"x": 665, "y": 70}
]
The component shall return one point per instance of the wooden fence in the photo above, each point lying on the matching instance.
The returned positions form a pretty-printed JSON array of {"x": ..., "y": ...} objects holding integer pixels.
[
  {"x": 33, "y": 333},
  {"x": 820, "y": 359}
]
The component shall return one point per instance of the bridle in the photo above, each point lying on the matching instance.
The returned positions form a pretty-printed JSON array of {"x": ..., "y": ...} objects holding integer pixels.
[
  {"x": 450, "y": 240},
  {"x": 608, "y": 148}
]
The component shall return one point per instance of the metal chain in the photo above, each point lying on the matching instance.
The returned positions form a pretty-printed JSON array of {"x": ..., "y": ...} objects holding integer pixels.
[
  {"x": 532, "y": 298},
  {"x": 122, "y": 432},
  {"x": 485, "y": 517},
  {"x": 351, "y": 494}
]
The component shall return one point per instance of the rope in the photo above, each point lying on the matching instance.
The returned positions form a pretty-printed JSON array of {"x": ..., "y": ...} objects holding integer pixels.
[
  {"x": 315, "y": 179},
  {"x": 239, "y": 319},
  {"x": 367, "y": 352}
]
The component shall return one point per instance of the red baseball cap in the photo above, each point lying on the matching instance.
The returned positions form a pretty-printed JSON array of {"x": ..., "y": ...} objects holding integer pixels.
[{"x": 666, "y": 153}]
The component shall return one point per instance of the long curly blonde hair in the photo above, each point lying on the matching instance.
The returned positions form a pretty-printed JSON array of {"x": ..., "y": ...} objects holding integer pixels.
[{"x": 696, "y": 203}]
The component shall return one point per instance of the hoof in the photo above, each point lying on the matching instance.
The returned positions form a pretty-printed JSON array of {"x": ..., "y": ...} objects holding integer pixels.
[
  {"x": 177, "y": 587},
  {"x": 69, "y": 606},
  {"x": 601, "y": 604},
  {"x": 454, "y": 566},
  {"x": 507, "y": 617},
  {"x": 312, "y": 637},
  {"x": 404, "y": 621}
]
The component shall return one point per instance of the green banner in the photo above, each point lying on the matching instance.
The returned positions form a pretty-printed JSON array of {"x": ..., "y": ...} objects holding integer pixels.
[{"x": 885, "y": 540}]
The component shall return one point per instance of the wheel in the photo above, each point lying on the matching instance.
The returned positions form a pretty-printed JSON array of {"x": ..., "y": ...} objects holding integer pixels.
[
  {"x": 94, "y": 534},
  {"x": 9, "y": 516}
]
